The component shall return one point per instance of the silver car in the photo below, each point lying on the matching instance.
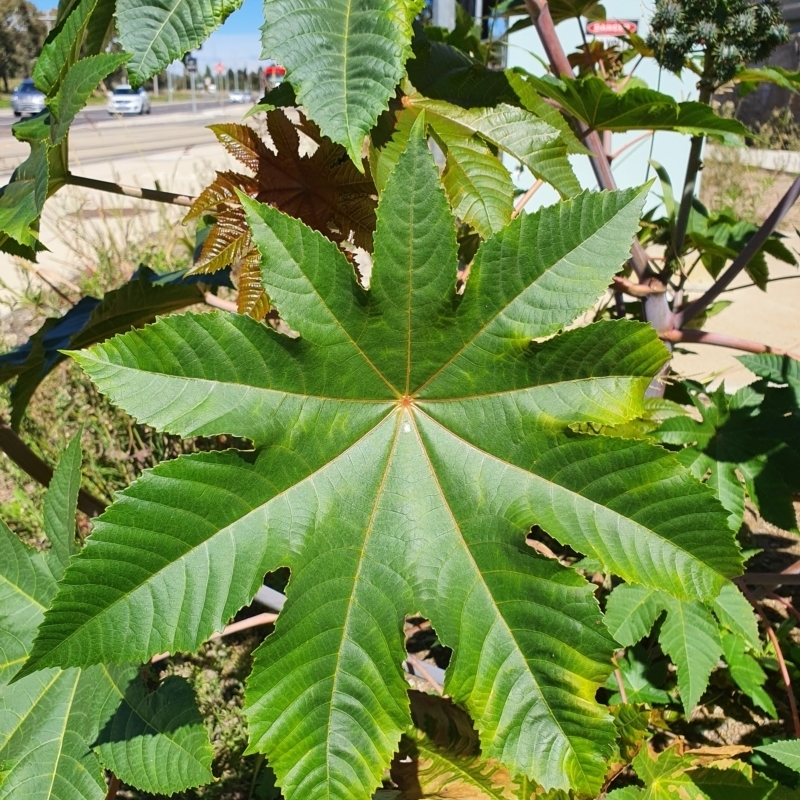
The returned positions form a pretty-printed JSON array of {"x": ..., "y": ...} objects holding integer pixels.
[
  {"x": 27, "y": 99},
  {"x": 127, "y": 100},
  {"x": 243, "y": 96}
]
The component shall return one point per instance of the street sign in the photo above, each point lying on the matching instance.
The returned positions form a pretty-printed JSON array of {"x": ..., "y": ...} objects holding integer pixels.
[
  {"x": 219, "y": 68},
  {"x": 612, "y": 28},
  {"x": 190, "y": 62},
  {"x": 274, "y": 75}
]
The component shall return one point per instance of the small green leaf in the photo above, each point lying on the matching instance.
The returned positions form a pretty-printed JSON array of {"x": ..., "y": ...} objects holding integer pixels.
[
  {"x": 478, "y": 186},
  {"x": 690, "y": 637},
  {"x": 631, "y": 612},
  {"x": 632, "y": 724},
  {"x": 156, "y": 741},
  {"x": 735, "y": 612},
  {"x": 666, "y": 776},
  {"x": 22, "y": 199},
  {"x": 157, "y": 32},
  {"x": 63, "y": 45},
  {"x": 747, "y": 673},
  {"x": 76, "y": 88},
  {"x": 526, "y": 137},
  {"x": 736, "y": 782},
  {"x": 537, "y": 105},
  {"x": 60, "y": 504}
]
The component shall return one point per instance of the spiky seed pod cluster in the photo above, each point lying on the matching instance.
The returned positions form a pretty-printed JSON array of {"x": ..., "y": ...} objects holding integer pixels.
[{"x": 729, "y": 32}]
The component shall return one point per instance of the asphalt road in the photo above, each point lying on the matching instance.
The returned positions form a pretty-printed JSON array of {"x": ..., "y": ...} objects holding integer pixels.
[
  {"x": 94, "y": 114},
  {"x": 100, "y": 138}
]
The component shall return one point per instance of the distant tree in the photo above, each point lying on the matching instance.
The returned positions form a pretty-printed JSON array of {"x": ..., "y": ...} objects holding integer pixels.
[{"x": 22, "y": 34}]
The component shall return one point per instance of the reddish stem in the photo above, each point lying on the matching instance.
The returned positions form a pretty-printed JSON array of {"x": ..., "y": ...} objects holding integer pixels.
[
  {"x": 540, "y": 15},
  {"x": 218, "y": 302},
  {"x": 784, "y": 602},
  {"x": 722, "y": 340},
  {"x": 113, "y": 786},
  {"x": 787, "y": 681},
  {"x": 234, "y": 627}
]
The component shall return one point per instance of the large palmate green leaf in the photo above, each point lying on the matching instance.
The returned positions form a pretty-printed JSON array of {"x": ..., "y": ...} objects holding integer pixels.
[
  {"x": 51, "y": 719},
  {"x": 157, "y": 32},
  {"x": 343, "y": 58},
  {"x": 404, "y": 445}
]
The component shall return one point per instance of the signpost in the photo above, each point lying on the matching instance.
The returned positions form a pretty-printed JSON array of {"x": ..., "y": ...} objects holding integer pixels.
[
  {"x": 190, "y": 62},
  {"x": 274, "y": 76}
]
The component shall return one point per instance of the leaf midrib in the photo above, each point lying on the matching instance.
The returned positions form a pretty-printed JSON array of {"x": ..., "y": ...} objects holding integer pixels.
[
  {"x": 423, "y": 401},
  {"x": 362, "y": 555},
  {"x": 86, "y": 357},
  {"x": 10, "y": 734},
  {"x": 478, "y": 571},
  {"x": 523, "y": 471},
  {"x": 526, "y": 288},
  {"x": 201, "y": 545}
]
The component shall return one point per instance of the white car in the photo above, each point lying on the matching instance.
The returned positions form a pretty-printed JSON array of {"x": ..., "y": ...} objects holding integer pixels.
[{"x": 127, "y": 100}]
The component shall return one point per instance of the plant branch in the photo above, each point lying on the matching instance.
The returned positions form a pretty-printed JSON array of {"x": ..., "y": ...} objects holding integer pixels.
[
  {"x": 778, "y": 654},
  {"x": 234, "y": 627},
  {"x": 722, "y": 340},
  {"x": 540, "y": 16},
  {"x": 130, "y": 191},
  {"x": 218, "y": 302},
  {"x": 31, "y": 464},
  {"x": 786, "y": 604},
  {"x": 771, "y": 578},
  {"x": 113, "y": 786},
  {"x": 523, "y": 201},
  {"x": 616, "y": 154},
  {"x": 425, "y": 674},
  {"x": 743, "y": 259}
]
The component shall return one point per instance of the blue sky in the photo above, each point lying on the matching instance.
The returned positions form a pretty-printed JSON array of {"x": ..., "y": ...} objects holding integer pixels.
[{"x": 236, "y": 44}]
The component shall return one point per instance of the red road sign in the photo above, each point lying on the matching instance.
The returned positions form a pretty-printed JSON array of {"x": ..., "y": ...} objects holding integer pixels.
[
  {"x": 613, "y": 27},
  {"x": 219, "y": 68}
]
